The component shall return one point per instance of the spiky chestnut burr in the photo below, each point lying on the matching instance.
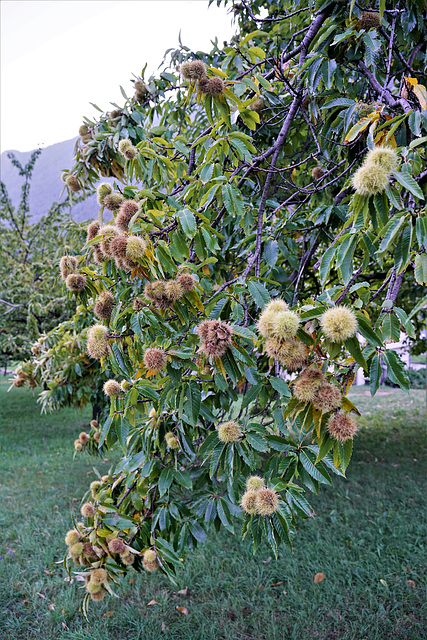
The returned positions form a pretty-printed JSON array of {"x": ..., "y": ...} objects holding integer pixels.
[
  {"x": 248, "y": 502},
  {"x": 268, "y": 315},
  {"x": 112, "y": 388},
  {"x": 267, "y": 502},
  {"x": 75, "y": 282},
  {"x": 67, "y": 265},
  {"x": 229, "y": 432},
  {"x": 193, "y": 70},
  {"x": 339, "y": 323},
  {"x": 154, "y": 360},
  {"x": 342, "y": 426}
]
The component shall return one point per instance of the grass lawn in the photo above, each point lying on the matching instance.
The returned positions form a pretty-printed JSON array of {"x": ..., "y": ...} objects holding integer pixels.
[{"x": 367, "y": 539}]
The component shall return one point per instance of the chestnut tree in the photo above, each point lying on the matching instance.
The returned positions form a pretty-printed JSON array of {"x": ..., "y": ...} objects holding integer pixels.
[{"x": 268, "y": 239}]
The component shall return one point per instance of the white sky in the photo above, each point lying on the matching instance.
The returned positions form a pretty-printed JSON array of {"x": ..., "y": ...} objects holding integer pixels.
[{"x": 59, "y": 55}]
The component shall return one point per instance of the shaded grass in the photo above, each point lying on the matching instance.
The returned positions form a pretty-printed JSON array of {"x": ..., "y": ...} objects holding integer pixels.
[{"x": 367, "y": 538}]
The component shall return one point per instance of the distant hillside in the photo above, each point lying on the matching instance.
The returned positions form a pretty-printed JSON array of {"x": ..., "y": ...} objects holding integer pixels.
[{"x": 46, "y": 184}]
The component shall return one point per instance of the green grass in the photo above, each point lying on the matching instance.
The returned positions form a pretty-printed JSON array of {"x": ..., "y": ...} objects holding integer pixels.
[{"x": 367, "y": 538}]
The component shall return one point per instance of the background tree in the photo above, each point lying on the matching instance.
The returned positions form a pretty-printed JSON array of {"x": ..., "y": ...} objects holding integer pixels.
[
  {"x": 31, "y": 298},
  {"x": 269, "y": 205}
]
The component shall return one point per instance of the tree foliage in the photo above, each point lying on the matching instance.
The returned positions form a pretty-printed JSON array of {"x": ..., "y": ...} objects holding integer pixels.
[
  {"x": 31, "y": 298},
  {"x": 241, "y": 184}
]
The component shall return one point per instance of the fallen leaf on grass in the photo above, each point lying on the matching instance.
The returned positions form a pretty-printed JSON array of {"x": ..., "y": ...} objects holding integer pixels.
[
  {"x": 411, "y": 583},
  {"x": 164, "y": 627},
  {"x": 276, "y": 584},
  {"x": 150, "y": 603},
  {"x": 108, "y": 614},
  {"x": 131, "y": 581},
  {"x": 41, "y": 595},
  {"x": 318, "y": 578},
  {"x": 182, "y": 610},
  {"x": 52, "y": 606},
  {"x": 182, "y": 592},
  {"x": 48, "y": 573}
]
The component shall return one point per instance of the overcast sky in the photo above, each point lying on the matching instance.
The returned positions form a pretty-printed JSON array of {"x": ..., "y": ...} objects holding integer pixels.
[{"x": 59, "y": 55}]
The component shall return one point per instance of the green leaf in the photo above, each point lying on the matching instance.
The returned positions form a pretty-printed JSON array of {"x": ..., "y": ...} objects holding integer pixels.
[
  {"x": 278, "y": 443},
  {"x": 165, "y": 480},
  {"x": 256, "y": 441},
  {"x": 365, "y": 328},
  {"x": 271, "y": 252},
  {"x": 421, "y": 232},
  {"x": 396, "y": 369},
  {"x": 390, "y": 327},
  {"x": 353, "y": 347},
  {"x": 187, "y": 221},
  {"x": 408, "y": 182},
  {"x": 324, "y": 448},
  {"x": 406, "y": 323},
  {"x": 259, "y": 293},
  {"x": 183, "y": 478},
  {"x": 390, "y": 231},
  {"x": 280, "y": 386},
  {"x": 315, "y": 472},
  {"x": 233, "y": 200},
  {"x": 325, "y": 264},
  {"x": 346, "y": 450},
  {"x": 375, "y": 372},
  {"x": 192, "y": 406},
  {"x": 420, "y": 270}
]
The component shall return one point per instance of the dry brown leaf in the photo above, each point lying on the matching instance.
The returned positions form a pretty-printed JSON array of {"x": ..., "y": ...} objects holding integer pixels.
[
  {"x": 182, "y": 592},
  {"x": 276, "y": 584},
  {"x": 41, "y": 595},
  {"x": 411, "y": 583},
  {"x": 131, "y": 581},
  {"x": 318, "y": 578},
  {"x": 108, "y": 614},
  {"x": 48, "y": 573},
  {"x": 151, "y": 602},
  {"x": 52, "y": 606},
  {"x": 182, "y": 610}
]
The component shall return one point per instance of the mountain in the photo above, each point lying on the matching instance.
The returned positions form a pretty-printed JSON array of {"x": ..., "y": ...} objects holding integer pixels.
[{"x": 46, "y": 183}]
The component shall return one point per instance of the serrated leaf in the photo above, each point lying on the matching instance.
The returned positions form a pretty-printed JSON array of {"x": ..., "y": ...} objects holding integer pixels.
[
  {"x": 233, "y": 200},
  {"x": 280, "y": 386},
  {"x": 187, "y": 221},
  {"x": 256, "y": 441},
  {"x": 420, "y": 270},
  {"x": 165, "y": 480},
  {"x": 375, "y": 372},
  {"x": 408, "y": 183},
  {"x": 315, "y": 472},
  {"x": 259, "y": 293}
]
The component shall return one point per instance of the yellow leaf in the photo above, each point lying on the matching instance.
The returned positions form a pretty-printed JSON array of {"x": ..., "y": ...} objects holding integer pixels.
[
  {"x": 139, "y": 372},
  {"x": 220, "y": 366},
  {"x": 347, "y": 404},
  {"x": 317, "y": 420},
  {"x": 360, "y": 126},
  {"x": 206, "y": 270},
  {"x": 421, "y": 93},
  {"x": 381, "y": 139},
  {"x": 411, "y": 81},
  {"x": 349, "y": 383}
]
